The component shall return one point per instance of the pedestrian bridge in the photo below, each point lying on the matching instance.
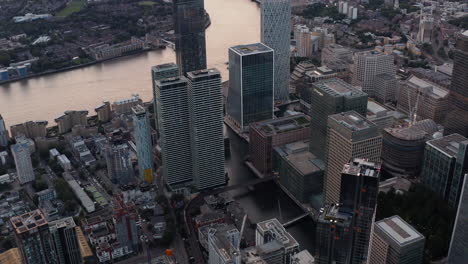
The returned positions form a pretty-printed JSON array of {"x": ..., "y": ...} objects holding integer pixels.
[{"x": 297, "y": 219}]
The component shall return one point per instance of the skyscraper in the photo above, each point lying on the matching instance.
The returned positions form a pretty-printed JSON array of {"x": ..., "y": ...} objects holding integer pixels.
[
  {"x": 3, "y": 133},
  {"x": 65, "y": 241},
  {"x": 205, "y": 102},
  {"x": 358, "y": 195},
  {"x": 334, "y": 236},
  {"x": 369, "y": 64},
  {"x": 457, "y": 118},
  {"x": 394, "y": 241},
  {"x": 125, "y": 217},
  {"x": 159, "y": 72},
  {"x": 142, "y": 135},
  {"x": 33, "y": 237},
  {"x": 23, "y": 163},
  {"x": 251, "y": 82},
  {"x": 445, "y": 163},
  {"x": 349, "y": 136},
  {"x": 190, "y": 42},
  {"x": 458, "y": 245},
  {"x": 174, "y": 130},
  {"x": 119, "y": 165},
  {"x": 276, "y": 34},
  {"x": 330, "y": 97}
]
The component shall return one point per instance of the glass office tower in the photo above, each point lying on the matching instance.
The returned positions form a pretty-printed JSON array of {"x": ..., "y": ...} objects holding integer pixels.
[
  {"x": 251, "y": 85},
  {"x": 190, "y": 43}
]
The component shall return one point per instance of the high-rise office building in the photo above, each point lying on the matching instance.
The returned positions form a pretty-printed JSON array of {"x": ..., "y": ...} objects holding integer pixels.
[
  {"x": 445, "y": 163},
  {"x": 386, "y": 86},
  {"x": 276, "y": 34},
  {"x": 394, "y": 241},
  {"x": 125, "y": 218},
  {"x": 266, "y": 135},
  {"x": 159, "y": 72},
  {"x": 65, "y": 241},
  {"x": 369, "y": 64},
  {"x": 205, "y": 102},
  {"x": 333, "y": 235},
  {"x": 3, "y": 133},
  {"x": 33, "y": 237},
  {"x": 174, "y": 130},
  {"x": 457, "y": 119},
  {"x": 119, "y": 165},
  {"x": 359, "y": 190},
  {"x": 458, "y": 245},
  {"x": 330, "y": 97},
  {"x": 23, "y": 163},
  {"x": 349, "y": 136},
  {"x": 251, "y": 84},
  {"x": 142, "y": 136},
  {"x": 189, "y": 29}
]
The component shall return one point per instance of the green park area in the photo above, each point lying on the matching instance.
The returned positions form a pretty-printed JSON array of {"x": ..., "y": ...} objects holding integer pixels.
[
  {"x": 147, "y": 3},
  {"x": 72, "y": 7}
]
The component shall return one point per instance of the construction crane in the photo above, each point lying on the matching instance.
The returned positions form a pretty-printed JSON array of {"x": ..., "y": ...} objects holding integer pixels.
[
  {"x": 241, "y": 232},
  {"x": 413, "y": 112}
]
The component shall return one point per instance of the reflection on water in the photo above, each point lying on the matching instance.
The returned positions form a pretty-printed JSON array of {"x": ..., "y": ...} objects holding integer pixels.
[{"x": 45, "y": 98}]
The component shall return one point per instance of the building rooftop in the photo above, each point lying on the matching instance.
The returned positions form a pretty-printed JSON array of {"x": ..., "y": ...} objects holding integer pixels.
[
  {"x": 352, "y": 120},
  {"x": 420, "y": 130},
  {"x": 165, "y": 66},
  {"x": 250, "y": 49},
  {"x": 333, "y": 215},
  {"x": 64, "y": 222},
  {"x": 203, "y": 73},
  {"x": 375, "y": 108},
  {"x": 274, "y": 226},
  {"x": 362, "y": 167},
  {"x": 433, "y": 89},
  {"x": 171, "y": 82},
  {"x": 138, "y": 110},
  {"x": 28, "y": 221},
  {"x": 282, "y": 124},
  {"x": 134, "y": 98},
  {"x": 303, "y": 257},
  {"x": 398, "y": 230},
  {"x": 298, "y": 155},
  {"x": 449, "y": 145},
  {"x": 338, "y": 87}
]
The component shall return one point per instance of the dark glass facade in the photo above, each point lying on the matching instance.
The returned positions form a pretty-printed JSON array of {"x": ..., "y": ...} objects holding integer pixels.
[
  {"x": 250, "y": 97},
  {"x": 458, "y": 253},
  {"x": 189, "y": 23}
]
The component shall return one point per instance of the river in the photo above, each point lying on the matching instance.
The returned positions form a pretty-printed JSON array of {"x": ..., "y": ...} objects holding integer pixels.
[{"x": 233, "y": 22}]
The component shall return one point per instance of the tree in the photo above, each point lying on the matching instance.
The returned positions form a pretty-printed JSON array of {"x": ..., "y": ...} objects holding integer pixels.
[{"x": 4, "y": 58}]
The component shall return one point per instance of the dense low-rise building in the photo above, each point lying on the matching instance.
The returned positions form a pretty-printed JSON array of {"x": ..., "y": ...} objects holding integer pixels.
[{"x": 70, "y": 119}]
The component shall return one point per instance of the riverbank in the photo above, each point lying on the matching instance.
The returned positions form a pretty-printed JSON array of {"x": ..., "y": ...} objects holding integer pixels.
[{"x": 74, "y": 67}]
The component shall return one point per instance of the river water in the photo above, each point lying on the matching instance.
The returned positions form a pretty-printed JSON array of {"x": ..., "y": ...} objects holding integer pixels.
[{"x": 233, "y": 22}]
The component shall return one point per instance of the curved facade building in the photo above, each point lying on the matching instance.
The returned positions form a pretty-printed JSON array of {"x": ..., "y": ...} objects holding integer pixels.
[
  {"x": 276, "y": 34},
  {"x": 403, "y": 148}
]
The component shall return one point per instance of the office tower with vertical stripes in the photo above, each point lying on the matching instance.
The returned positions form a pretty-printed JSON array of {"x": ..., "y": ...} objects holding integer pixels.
[
  {"x": 159, "y": 72},
  {"x": 174, "y": 129},
  {"x": 205, "y": 104},
  {"x": 349, "y": 136},
  {"x": 276, "y": 33},
  {"x": 65, "y": 241},
  {"x": 23, "y": 163},
  {"x": 142, "y": 136}
]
